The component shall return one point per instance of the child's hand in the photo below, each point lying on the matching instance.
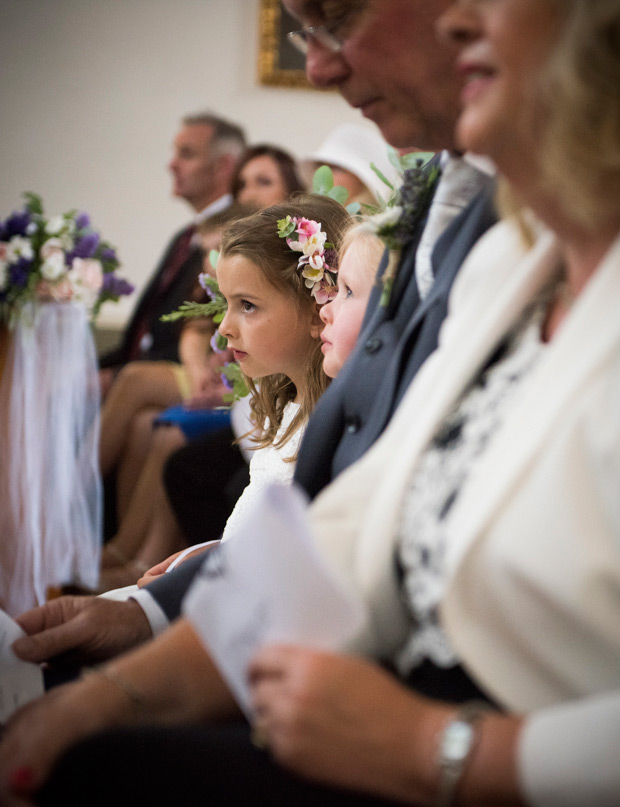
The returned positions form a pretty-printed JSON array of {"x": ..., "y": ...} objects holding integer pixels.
[
  {"x": 156, "y": 571},
  {"x": 161, "y": 568}
]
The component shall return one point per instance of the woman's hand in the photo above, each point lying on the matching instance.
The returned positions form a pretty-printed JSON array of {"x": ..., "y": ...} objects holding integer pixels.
[
  {"x": 346, "y": 722},
  {"x": 37, "y": 735}
]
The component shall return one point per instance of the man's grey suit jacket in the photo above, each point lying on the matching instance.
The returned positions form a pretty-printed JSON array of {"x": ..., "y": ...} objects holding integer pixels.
[{"x": 358, "y": 404}]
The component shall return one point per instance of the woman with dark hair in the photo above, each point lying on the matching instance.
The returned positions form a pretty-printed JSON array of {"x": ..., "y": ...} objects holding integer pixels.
[{"x": 265, "y": 175}]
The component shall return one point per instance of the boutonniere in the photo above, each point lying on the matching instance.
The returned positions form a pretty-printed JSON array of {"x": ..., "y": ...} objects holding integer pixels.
[{"x": 395, "y": 220}]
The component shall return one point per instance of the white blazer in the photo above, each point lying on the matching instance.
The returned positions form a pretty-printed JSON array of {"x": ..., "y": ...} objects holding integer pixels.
[{"x": 533, "y": 598}]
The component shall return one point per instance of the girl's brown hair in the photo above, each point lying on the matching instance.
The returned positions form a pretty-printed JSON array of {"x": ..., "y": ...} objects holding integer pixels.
[{"x": 256, "y": 238}]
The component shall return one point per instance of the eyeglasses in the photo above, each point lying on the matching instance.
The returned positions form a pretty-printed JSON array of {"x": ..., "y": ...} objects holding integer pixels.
[
  {"x": 323, "y": 34},
  {"x": 332, "y": 36}
]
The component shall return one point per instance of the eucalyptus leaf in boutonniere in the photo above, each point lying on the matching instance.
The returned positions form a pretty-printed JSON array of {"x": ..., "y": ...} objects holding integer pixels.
[{"x": 396, "y": 219}]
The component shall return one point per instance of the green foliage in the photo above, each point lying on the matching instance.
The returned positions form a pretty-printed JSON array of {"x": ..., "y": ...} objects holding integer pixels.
[
  {"x": 215, "y": 308},
  {"x": 233, "y": 375},
  {"x": 323, "y": 184}
]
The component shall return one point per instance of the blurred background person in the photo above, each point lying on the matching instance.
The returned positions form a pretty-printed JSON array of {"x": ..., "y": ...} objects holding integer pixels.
[
  {"x": 265, "y": 175},
  {"x": 206, "y": 151},
  {"x": 349, "y": 150}
]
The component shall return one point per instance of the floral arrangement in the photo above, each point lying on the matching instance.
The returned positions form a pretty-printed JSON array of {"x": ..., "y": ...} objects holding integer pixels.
[
  {"x": 56, "y": 258},
  {"x": 396, "y": 219},
  {"x": 319, "y": 258}
]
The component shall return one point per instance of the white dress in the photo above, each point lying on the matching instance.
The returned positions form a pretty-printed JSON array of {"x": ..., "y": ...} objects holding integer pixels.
[{"x": 267, "y": 466}]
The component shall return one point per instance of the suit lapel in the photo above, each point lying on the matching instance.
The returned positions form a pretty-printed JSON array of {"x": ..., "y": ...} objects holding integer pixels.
[{"x": 453, "y": 246}]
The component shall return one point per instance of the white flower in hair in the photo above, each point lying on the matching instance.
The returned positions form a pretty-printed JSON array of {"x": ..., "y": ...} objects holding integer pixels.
[{"x": 319, "y": 275}]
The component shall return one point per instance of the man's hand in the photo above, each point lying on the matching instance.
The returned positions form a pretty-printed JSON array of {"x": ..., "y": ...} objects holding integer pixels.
[{"x": 80, "y": 630}]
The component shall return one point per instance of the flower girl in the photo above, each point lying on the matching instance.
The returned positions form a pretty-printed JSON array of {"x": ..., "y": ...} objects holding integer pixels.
[
  {"x": 275, "y": 270},
  {"x": 359, "y": 256}
]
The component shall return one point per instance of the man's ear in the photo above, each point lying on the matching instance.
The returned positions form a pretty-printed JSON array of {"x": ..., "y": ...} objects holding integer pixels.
[{"x": 225, "y": 167}]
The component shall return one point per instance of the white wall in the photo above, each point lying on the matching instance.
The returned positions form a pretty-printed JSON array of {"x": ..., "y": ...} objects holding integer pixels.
[{"x": 91, "y": 93}]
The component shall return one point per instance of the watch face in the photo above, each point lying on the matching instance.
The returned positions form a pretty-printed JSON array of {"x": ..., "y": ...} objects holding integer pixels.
[{"x": 457, "y": 741}]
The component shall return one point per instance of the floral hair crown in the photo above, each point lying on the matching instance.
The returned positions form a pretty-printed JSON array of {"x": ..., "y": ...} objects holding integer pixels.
[{"x": 319, "y": 260}]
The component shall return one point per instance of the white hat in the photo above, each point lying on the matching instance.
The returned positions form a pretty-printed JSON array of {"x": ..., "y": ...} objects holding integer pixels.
[{"x": 353, "y": 147}]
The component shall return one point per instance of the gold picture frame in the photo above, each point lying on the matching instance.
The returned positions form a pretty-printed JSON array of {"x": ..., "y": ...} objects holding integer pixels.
[{"x": 279, "y": 63}]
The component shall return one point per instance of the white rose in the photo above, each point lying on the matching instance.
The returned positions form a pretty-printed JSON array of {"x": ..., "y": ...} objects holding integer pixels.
[
  {"x": 54, "y": 267},
  {"x": 54, "y": 225},
  {"x": 51, "y": 246}
]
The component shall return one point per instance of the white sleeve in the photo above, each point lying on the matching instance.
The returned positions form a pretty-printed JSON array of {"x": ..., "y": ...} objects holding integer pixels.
[
  {"x": 155, "y": 615},
  {"x": 569, "y": 755}
]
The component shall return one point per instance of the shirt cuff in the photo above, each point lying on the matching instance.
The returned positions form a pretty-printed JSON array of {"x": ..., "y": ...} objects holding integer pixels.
[
  {"x": 568, "y": 754},
  {"x": 156, "y": 617}
]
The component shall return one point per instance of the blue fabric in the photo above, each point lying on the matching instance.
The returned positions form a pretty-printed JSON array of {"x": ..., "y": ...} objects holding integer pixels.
[{"x": 193, "y": 422}]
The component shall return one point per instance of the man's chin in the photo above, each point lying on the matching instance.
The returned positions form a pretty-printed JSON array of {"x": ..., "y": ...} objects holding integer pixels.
[{"x": 405, "y": 132}]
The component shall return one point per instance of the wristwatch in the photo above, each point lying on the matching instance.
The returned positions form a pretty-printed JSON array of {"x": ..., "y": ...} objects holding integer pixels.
[{"x": 455, "y": 747}]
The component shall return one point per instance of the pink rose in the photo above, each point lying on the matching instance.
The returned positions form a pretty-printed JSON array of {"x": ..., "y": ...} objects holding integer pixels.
[{"x": 88, "y": 273}]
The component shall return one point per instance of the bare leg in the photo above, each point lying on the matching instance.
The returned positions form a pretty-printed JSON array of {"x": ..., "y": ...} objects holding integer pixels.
[
  {"x": 148, "y": 532},
  {"x": 138, "y": 385},
  {"x": 164, "y": 536},
  {"x": 134, "y": 459}
]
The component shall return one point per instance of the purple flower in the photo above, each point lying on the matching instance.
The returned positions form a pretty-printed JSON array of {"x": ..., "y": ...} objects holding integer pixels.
[
  {"x": 115, "y": 286},
  {"x": 85, "y": 247},
  {"x": 331, "y": 258},
  {"x": 16, "y": 224},
  {"x": 216, "y": 342},
  {"x": 226, "y": 381},
  {"x": 19, "y": 272},
  {"x": 82, "y": 221},
  {"x": 108, "y": 254}
]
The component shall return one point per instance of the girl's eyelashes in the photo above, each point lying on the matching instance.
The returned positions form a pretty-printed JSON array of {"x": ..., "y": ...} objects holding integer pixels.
[{"x": 247, "y": 306}]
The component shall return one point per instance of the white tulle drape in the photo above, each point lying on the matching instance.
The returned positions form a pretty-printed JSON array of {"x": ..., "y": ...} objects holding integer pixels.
[{"x": 50, "y": 488}]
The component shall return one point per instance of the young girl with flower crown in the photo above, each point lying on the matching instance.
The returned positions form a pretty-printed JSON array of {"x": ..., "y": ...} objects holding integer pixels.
[
  {"x": 359, "y": 255},
  {"x": 276, "y": 268}
]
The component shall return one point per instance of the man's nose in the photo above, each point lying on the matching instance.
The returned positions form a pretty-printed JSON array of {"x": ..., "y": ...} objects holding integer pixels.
[{"x": 324, "y": 68}]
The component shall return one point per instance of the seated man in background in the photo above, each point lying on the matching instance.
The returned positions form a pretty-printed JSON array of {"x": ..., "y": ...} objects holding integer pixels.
[{"x": 206, "y": 150}]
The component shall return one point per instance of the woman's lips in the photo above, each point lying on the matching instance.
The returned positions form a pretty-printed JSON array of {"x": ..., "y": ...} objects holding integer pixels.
[
  {"x": 477, "y": 77},
  {"x": 476, "y": 85}
]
